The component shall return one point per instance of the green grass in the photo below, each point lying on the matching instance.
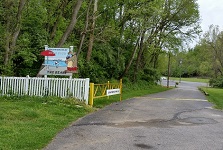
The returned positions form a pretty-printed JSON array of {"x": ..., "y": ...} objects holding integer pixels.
[
  {"x": 190, "y": 79},
  {"x": 30, "y": 123},
  {"x": 215, "y": 96}
]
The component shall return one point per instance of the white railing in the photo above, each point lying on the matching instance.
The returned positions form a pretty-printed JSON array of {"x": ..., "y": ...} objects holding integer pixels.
[{"x": 32, "y": 86}]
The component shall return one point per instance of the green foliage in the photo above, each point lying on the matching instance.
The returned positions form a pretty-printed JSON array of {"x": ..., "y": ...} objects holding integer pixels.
[
  {"x": 118, "y": 25},
  {"x": 105, "y": 64},
  {"x": 216, "y": 82},
  {"x": 150, "y": 75}
]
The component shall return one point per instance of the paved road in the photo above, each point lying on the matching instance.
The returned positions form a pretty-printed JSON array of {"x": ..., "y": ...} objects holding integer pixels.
[{"x": 178, "y": 119}]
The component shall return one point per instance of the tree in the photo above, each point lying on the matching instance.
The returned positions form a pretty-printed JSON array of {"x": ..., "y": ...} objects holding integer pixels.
[
  {"x": 84, "y": 32},
  {"x": 176, "y": 21},
  {"x": 11, "y": 18},
  {"x": 115, "y": 39},
  {"x": 213, "y": 40},
  {"x": 73, "y": 21},
  {"x": 91, "y": 39},
  {"x": 165, "y": 25}
]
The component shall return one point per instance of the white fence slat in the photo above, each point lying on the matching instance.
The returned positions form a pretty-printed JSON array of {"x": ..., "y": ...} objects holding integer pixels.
[
  {"x": 65, "y": 88},
  {"x": 55, "y": 87}
]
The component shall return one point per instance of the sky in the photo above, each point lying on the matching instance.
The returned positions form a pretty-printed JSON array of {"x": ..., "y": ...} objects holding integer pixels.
[{"x": 211, "y": 12}]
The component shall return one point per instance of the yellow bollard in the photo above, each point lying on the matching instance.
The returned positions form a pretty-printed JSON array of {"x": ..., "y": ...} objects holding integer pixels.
[
  {"x": 108, "y": 87},
  {"x": 120, "y": 86},
  {"x": 91, "y": 96}
]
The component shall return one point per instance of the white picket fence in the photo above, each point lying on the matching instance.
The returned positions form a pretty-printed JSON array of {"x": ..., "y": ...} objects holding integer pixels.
[{"x": 33, "y": 86}]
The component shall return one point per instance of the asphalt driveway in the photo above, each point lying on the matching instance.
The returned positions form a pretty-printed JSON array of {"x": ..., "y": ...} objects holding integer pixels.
[{"x": 178, "y": 119}]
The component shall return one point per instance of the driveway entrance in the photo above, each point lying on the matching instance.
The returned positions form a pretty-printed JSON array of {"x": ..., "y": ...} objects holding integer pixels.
[{"x": 178, "y": 119}]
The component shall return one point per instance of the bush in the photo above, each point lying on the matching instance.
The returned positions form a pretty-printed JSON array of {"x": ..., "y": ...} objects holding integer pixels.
[
  {"x": 216, "y": 82},
  {"x": 150, "y": 75}
]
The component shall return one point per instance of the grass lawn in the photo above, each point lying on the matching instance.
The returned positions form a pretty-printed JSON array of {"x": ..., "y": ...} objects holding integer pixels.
[
  {"x": 190, "y": 79},
  {"x": 215, "y": 96},
  {"x": 30, "y": 123}
]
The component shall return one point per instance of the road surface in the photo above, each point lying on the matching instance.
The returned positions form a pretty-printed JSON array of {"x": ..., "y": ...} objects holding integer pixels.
[{"x": 178, "y": 119}]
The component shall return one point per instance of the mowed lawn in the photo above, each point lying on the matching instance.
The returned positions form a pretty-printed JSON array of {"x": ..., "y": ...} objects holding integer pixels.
[
  {"x": 215, "y": 95},
  {"x": 190, "y": 79},
  {"x": 29, "y": 123}
]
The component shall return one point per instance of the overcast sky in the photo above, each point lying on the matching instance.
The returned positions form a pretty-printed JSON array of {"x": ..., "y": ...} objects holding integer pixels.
[{"x": 211, "y": 12}]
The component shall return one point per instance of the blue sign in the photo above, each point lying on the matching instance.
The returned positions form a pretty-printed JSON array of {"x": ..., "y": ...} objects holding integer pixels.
[{"x": 59, "y": 60}]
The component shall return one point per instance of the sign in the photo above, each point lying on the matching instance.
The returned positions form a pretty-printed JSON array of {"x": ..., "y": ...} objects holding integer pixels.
[
  {"x": 63, "y": 62},
  {"x": 52, "y": 70},
  {"x": 58, "y": 60},
  {"x": 112, "y": 92}
]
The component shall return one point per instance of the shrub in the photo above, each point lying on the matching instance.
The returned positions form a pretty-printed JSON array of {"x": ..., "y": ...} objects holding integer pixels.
[
  {"x": 216, "y": 82},
  {"x": 150, "y": 75}
]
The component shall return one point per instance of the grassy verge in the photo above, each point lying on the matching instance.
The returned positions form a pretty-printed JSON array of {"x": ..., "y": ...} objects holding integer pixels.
[
  {"x": 215, "y": 96},
  {"x": 190, "y": 79},
  {"x": 29, "y": 123}
]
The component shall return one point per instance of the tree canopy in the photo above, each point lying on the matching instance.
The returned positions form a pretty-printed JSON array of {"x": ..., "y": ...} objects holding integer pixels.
[{"x": 113, "y": 39}]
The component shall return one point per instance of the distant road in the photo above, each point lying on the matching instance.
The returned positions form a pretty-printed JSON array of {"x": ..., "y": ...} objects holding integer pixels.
[{"x": 178, "y": 119}]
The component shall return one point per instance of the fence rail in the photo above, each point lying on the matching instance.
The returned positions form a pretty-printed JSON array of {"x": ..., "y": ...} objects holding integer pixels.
[
  {"x": 101, "y": 90},
  {"x": 32, "y": 86}
]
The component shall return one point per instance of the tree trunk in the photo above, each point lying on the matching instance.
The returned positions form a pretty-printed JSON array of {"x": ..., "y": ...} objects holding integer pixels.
[
  {"x": 91, "y": 40},
  {"x": 138, "y": 61},
  {"x": 131, "y": 60},
  {"x": 18, "y": 24},
  {"x": 7, "y": 51},
  {"x": 73, "y": 21},
  {"x": 83, "y": 34},
  {"x": 13, "y": 36},
  {"x": 58, "y": 15}
]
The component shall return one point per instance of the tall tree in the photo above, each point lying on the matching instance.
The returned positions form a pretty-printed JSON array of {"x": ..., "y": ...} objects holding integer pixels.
[
  {"x": 91, "y": 39},
  {"x": 12, "y": 15},
  {"x": 72, "y": 23},
  {"x": 214, "y": 43},
  {"x": 84, "y": 32}
]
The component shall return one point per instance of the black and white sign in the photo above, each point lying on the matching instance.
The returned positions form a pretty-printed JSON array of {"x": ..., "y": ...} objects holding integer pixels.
[{"x": 112, "y": 92}]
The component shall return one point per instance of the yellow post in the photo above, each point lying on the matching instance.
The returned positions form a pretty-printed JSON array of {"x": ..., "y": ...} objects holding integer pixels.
[
  {"x": 120, "y": 86},
  {"x": 107, "y": 89},
  {"x": 91, "y": 96}
]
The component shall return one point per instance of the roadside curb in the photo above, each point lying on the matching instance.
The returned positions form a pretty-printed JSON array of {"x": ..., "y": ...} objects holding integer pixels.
[{"x": 206, "y": 93}]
